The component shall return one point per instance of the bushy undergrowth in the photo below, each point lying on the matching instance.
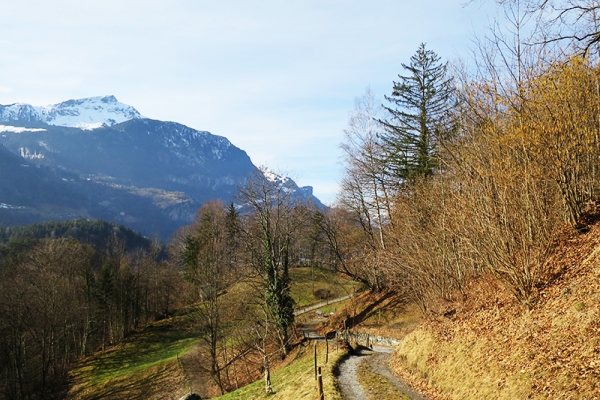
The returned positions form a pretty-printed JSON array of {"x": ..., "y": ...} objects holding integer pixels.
[{"x": 494, "y": 348}]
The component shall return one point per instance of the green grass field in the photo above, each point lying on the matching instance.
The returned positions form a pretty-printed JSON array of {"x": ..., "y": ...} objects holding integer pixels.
[
  {"x": 147, "y": 365},
  {"x": 119, "y": 372},
  {"x": 307, "y": 280}
]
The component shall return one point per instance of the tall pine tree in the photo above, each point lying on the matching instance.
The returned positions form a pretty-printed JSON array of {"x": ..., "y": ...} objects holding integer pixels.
[{"x": 419, "y": 105}]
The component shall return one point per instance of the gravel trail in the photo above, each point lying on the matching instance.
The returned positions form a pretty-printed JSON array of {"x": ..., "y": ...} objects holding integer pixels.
[
  {"x": 347, "y": 378},
  {"x": 378, "y": 362}
]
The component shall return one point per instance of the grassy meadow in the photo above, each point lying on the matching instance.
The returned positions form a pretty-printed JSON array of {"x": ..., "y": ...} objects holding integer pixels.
[{"x": 147, "y": 364}]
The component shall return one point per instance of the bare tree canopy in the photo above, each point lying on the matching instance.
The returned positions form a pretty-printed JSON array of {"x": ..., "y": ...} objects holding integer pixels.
[{"x": 572, "y": 24}]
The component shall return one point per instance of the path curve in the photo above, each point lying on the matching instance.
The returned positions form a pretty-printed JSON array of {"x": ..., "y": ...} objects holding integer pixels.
[
  {"x": 309, "y": 330},
  {"x": 322, "y": 304},
  {"x": 347, "y": 376},
  {"x": 347, "y": 370},
  {"x": 377, "y": 360}
]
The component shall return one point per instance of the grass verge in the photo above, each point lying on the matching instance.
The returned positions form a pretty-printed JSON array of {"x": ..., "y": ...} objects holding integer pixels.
[
  {"x": 376, "y": 386},
  {"x": 296, "y": 380}
]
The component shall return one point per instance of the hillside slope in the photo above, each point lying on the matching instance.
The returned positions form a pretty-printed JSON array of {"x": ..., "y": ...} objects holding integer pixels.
[
  {"x": 493, "y": 348},
  {"x": 168, "y": 358},
  {"x": 32, "y": 193}
]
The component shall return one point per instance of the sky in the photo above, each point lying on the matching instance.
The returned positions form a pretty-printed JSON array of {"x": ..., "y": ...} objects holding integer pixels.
[{"x": 277, "y": 78}]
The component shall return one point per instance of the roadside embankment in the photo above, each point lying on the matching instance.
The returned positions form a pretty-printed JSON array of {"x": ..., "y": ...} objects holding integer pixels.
[{"x": 492, "y": 347}]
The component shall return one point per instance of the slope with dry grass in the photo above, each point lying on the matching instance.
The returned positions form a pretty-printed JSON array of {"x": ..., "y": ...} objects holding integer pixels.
[
  {"x": 385, "y": 313},
  {"x": 493, "y": 347}
]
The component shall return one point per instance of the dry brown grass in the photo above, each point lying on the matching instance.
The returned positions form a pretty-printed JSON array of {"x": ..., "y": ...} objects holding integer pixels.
[
  {"x": 384, "y": 314},
  {"x": 495, "y": 348}
]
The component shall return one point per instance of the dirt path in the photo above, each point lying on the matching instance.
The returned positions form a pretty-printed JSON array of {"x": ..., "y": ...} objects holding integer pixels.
[
  {"x": 347, "y": 376},
  {"x": 347, "y": 370},
  {"x": 196, "y": 375},
  {"x": 309, "y": 330},
  {"x": 322, "y": 304},
  {"x": 378, "y": 362}
]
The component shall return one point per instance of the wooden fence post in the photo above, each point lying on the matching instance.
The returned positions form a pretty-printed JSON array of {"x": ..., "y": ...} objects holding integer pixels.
[
  {"x": 315, "y": 360},
  {"x": 320, "y": 385}
]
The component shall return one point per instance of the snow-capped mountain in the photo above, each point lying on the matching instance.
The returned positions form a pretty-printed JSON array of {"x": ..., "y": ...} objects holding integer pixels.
[
  {"x": 146, "y": 174},
  {"x": 303, "y": 194},
  {"x": 89, "y": 113},
  {"x": 271, "y": 176}
]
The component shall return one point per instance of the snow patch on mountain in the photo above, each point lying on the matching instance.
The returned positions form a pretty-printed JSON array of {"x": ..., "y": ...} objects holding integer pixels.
[
  {"x": 273, "y": 177},
  {"x": 89, "y": 113},
  {"x": 18, "y": 129},
  {"x": 303, "y": 194},
  {"x": 10, "y": 207},
  {"x": 89, "y": 127}
]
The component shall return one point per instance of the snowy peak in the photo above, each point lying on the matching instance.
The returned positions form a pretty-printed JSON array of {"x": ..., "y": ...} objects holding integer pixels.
[
  {"x": 304, "y": 194},
  {"x": 273, "y": 177},
  {"x": 87, "y": 113}
]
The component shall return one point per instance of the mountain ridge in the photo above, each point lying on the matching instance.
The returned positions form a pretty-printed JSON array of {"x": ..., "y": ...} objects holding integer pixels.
[
  {"x": 87, "y": 113},
  {"x": 168, "y": 169}
]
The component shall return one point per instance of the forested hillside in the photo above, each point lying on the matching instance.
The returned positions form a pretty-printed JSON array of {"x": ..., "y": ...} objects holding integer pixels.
[
  {"x": 473, "y": 176},
  {"x": 97, "y": 233},
  {"x": 79, "y": 288},
  {"x": 71, "y": 288},
  {"x": 468, "y": 185}
]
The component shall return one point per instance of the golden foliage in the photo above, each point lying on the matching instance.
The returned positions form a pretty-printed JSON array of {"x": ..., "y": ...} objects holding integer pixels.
[{"x": 521, "y": 166}]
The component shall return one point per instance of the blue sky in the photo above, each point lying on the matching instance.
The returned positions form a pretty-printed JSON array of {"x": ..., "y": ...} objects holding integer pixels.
[{"x": 277, "y": 78}]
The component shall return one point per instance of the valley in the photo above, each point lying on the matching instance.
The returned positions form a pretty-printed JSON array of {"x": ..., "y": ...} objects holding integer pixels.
[
  {"x": 165, "y": 358},
  {"x": 448, "y": 248}
]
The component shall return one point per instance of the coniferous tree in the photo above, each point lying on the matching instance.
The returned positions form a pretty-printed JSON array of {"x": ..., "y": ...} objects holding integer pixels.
[
  {"x": 233, "y": 232},
  {"x": 420, "y": 102}
]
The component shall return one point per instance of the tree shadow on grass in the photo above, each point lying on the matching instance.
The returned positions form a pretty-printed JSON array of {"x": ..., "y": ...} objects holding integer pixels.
[
  {"x": 397, "y": 302},
  {"x": 162, "y": 381},
  {"x": 146, "y": 363}
]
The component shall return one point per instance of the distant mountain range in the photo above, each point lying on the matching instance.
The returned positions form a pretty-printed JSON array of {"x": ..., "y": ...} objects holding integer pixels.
[{"x": 99, "y": 158}]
